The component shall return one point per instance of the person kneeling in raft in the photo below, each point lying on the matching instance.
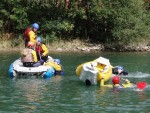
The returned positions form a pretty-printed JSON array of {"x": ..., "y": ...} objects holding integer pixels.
[{"x": 116, "y": 83}]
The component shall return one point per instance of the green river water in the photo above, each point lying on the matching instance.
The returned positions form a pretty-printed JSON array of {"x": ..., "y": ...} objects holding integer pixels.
[{"x": 68, "y": 94}]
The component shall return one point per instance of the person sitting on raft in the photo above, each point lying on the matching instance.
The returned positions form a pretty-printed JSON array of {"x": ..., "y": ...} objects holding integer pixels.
[
  {"x": 116, "y": 83},
  {"x": 118, "y": 70},
  {"x": 28, "y": 55},
  {"x": 41, "y": 51}
]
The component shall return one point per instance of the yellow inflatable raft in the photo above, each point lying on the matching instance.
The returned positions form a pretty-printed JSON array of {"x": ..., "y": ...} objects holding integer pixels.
[{"x": 95, "y": 70}]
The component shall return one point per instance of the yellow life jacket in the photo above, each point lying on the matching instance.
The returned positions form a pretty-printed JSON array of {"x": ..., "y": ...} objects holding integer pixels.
[
  {"x": 100, "y": 67},
  {"x": 56, "y": 66},
  {"x": 125, "y": 85},
  {"x": 32, "y": 37},
  {"x": 128, "y": 84}
]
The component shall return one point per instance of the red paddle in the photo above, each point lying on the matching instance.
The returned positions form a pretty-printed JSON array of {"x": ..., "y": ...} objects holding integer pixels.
[{"x": 141, "y": 85}]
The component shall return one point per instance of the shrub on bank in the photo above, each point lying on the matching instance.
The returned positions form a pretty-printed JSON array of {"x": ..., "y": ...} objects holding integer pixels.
[{"x": 101, "y": 21}]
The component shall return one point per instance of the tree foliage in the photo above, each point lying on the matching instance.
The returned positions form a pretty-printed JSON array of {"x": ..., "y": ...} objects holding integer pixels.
[{"x": 105, "y": 21}]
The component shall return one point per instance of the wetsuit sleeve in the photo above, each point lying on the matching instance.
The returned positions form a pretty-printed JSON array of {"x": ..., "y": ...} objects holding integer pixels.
[
  {"x": 125, "y": 73},
  {"x": 114, "y": 70},
  {"x": 34, "y": 56},
  {"x": 32, "y": 37},
  {"x": 45, "y": 53}
]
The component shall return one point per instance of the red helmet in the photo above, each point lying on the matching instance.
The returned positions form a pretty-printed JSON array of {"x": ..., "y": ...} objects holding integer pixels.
[
  {"x": 30, "y": 44},
  {"x": 115, "y": 80}
]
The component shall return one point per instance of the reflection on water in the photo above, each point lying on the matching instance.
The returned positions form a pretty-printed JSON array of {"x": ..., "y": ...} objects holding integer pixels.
[
  {"x": 142, "y": 95},
  {"x": 31, "y": 89},
  {"x": 69, "y": 95},
  {"x": 36, "y": 92}
]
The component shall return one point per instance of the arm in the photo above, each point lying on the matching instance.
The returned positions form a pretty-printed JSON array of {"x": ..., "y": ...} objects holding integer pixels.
[
  {"x": 125, "y": 73},
  {"x": 103, "y": 85},
  {"x": 34, "y": 56},
  {"x": 45, "y": 50}
]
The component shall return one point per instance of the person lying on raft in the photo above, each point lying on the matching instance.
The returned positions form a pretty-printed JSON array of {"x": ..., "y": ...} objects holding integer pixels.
[
  {"x": 118, "y": 70},
  {"x": 116, "y": 83}
]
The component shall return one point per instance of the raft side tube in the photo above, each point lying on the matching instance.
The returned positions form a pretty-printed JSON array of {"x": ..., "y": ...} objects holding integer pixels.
[
  {"x": 49, "y": 73},
  {"x": 10, "y": 71}
]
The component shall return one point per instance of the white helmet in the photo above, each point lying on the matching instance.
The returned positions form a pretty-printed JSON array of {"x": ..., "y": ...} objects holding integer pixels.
[{"x": 103, "y": 60}]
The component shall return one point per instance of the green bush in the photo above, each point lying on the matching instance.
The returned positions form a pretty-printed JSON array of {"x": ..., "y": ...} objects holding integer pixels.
[{"x": 104, "y": 21}]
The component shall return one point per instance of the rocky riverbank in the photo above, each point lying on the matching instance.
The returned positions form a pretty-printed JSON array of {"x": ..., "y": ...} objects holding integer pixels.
[
  {"x": 80, "y": 46},
  {"x": 101, "y": 47}
]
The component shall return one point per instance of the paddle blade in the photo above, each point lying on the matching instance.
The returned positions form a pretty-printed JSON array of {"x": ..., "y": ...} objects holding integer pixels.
[{"x": 141, "y": 85}]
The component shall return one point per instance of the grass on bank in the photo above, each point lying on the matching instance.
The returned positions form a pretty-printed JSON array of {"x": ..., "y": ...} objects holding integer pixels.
[
  {"x": 9, "y": 43},
  {"x": 61, "y": 45}
]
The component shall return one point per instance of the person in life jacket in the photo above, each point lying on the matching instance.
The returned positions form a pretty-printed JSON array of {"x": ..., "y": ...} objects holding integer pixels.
[
  {"x": 116, "y": 83},
  {"x": 41, "y": 51},
  {"x": 59, "y": 71},
  {"x": 29, "y": 34},
  {"x": 103, "y": 66},
  {"x": 56, "y": 65},
  {"x": 28, "y": 55},
  {"x": 119, "y": 70}
]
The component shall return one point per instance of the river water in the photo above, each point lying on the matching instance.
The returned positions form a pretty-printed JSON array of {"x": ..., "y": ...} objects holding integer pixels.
[{"x": 69, "y": 95}]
